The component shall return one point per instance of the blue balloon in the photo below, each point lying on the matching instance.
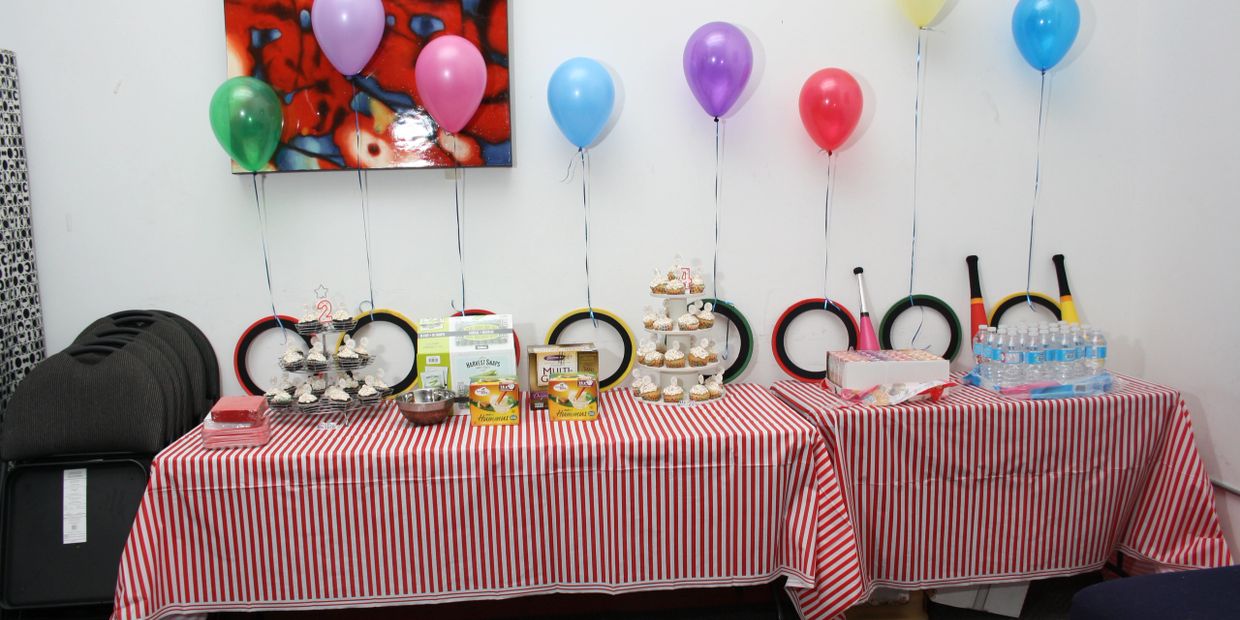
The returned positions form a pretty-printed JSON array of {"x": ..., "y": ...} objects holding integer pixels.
[
  {"x": 1045, "y": 30},
  {"x": 581, "y": 96}
]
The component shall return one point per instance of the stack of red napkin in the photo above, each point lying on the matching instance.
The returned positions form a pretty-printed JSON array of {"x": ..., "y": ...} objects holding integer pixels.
[{"x": 237, "y": 422}]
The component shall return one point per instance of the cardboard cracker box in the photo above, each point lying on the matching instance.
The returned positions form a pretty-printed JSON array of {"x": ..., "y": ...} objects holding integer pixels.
[
  {"x": 548, "y": 360},
  {"x": 455, "y": 351}
]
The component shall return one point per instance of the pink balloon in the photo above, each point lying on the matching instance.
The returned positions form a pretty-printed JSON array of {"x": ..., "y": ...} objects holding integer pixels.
[
  {"x": 348, "y": 31},
  {"x": 451, "y": 78}
]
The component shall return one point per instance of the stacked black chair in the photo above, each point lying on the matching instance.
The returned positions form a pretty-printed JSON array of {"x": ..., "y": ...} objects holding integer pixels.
[{"x": 130, "y": 384}]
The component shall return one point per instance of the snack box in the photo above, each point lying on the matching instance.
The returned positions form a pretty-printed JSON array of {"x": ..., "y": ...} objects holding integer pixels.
[
  {"x": 573, "y": 396},
  {"x": 238, "y": 409},
  {"x": 454, "y": 351},
  {"x": 495, "y": 403},
  {"x": 861, "y": 370},
  {"x": 548, "y": 360}
]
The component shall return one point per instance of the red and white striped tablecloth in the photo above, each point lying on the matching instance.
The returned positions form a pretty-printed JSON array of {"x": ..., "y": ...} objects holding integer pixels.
[
  {"x": 976, "y": 489},
  {"x": 379, "y": 512}
]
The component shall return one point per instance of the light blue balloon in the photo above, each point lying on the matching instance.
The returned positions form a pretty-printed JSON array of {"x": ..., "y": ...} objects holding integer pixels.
[
  {"x": 1045, "y": 30},
  {"x": 581, "y": 96}
]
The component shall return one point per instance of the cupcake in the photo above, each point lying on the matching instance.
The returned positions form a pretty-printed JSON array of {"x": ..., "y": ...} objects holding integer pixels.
[
  {"x": 714, "y": 385},
  {"x": 674, "y": 287},
  {"x": 688, "y": 322},
  {"x": 318, "y": 385},
  {"x": 649, "y": 391},
  {"x": 377, "y": 383},
  {"x": 653, "y": 359},
  {"x": 673, "y": 393},
  {"x": 337, "y": 396},
  {"x": 706, "y": 317},
  {"x": 711, "y": 355},
  {"x": 638, "y": 382},
  {"x": 342, "y": 320},
  {"x": 315, "y": 360},
  {"x": 663, "y": 324},
  {"x": 697, "y": 285},
  {"x": 348, "y": 383},
  {"x": 674, "y": 358},
  {"x": 699, "y": 356},
  {"x": 309, "y": 322},
  {"x": 307, "y": 400},
  {"x": 293, "y": 359},
  {"x": 649, "y": 319},
  {"x": 279, "y": 398},
  {"x": 367, "y": 393},
  {"x": 699, "y": 393},
  {"x": 658, "y": 283},
  {"x": 304, "y": 388}
]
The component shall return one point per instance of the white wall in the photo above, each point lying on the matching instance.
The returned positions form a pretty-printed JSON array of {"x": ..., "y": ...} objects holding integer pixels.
[{"x": 135, "y": 206}]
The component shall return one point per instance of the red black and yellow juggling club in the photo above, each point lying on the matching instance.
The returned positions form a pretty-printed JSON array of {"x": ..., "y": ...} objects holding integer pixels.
[
  {"x": 1066, "y": 307},
  {"x": 977, "y": 305}
]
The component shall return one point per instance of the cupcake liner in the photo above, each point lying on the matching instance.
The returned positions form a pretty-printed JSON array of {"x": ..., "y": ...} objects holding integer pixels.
[
  {"x": 293, "y": 367},
  {"x": 307, "y": 328}
]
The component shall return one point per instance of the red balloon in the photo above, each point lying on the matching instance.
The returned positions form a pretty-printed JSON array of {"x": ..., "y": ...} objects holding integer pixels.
[{"x": 830, "y": 107}]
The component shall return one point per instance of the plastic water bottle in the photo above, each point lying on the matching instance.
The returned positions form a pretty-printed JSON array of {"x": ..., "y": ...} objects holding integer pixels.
[
  {"x": 1065, "y": 354},
  {"x": 993, "y": 341},
  {"x": 1035, "y": 356},
  {"x": 1095, "y": 352},
  {"x": 1014, "y": 359},
  {"x": 1078, "y": 343},
  {"x": 981, "y": 357}
]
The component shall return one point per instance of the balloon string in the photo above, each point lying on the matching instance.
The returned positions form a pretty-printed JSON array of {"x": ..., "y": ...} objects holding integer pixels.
[
  {"x": 459, "y": 196},
  {"x": 918, "y": 59},
  {"x": 568, "y": 171},
  {"x": 1037, "y": 182},
  {"x": 826, "y": 230},
  {"x": 363, "y": 188},
  {"x": 260, "y": 204},
  {"x": 585, "y": 207},
  {"x": 714, "y": 276}
]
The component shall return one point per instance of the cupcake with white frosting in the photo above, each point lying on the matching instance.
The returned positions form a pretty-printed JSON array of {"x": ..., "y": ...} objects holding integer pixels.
[
  {"x": 674, "y": 358},
  {"x": 673, "y": 393}
]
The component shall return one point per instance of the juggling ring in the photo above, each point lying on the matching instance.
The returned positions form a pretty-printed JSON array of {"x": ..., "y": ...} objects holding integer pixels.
[
  {"x": 247, "y": 339},
  {"x": 930, "y": 303},
  {"x": 781, "y": 333},
  {"x": 1016, "y": 299},
  {"x": 402, "y": 323},
  {"x": 745, "y": 354},
  {"x": 626, "y": 335},
  {"x": 516, "y": 342}
]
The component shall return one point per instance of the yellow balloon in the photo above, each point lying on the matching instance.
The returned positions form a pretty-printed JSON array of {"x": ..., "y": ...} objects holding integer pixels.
[{"x": 922, "y": 12}]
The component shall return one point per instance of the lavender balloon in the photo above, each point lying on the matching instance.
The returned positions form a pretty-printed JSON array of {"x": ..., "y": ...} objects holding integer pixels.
[
  {"x": 718, "y": 61},
  {"x": 348, "y": 31}
]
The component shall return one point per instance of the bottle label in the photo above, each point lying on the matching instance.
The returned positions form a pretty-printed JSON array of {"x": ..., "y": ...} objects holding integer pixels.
[
  {"x": 979, "y": 349},
  {"x": 1054, "y": 355},
  {"x": 1031, "y": 357},
  {"x": 1102, "y": 352},
  {"x": 1091, "y": 352},
  {"x": 1069, "y": 355},
  {"x": 1015, "y": 357}
]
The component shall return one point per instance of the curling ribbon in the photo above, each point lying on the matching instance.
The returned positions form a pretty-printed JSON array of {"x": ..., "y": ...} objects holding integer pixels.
[
  {"x": 1043, "y": 103},
  {"x": 826, "y": 229},
  {"x": 260, "y": 203},
  {"x": 363, "y": 188},
  {"x": 922, "y": 47}
]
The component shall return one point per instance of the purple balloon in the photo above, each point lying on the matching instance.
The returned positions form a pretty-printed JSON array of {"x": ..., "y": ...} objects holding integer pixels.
[
  {"x": 718, "y": 61},
  {"x": 348, "y": 31}
]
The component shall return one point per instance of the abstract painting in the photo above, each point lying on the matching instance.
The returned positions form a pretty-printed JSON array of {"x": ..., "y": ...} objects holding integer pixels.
[{"x": 374, "y": 120}]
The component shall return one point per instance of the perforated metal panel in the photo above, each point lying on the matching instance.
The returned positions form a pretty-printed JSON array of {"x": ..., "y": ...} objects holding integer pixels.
[{"x": 21, "y": 318}]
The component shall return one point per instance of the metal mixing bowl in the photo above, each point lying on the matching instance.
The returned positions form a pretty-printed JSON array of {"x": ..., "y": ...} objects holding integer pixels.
[{"x": 426, "y": 406}]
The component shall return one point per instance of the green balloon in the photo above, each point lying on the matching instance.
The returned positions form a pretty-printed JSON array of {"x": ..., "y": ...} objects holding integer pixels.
[{"x": 247, "y": 120}]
